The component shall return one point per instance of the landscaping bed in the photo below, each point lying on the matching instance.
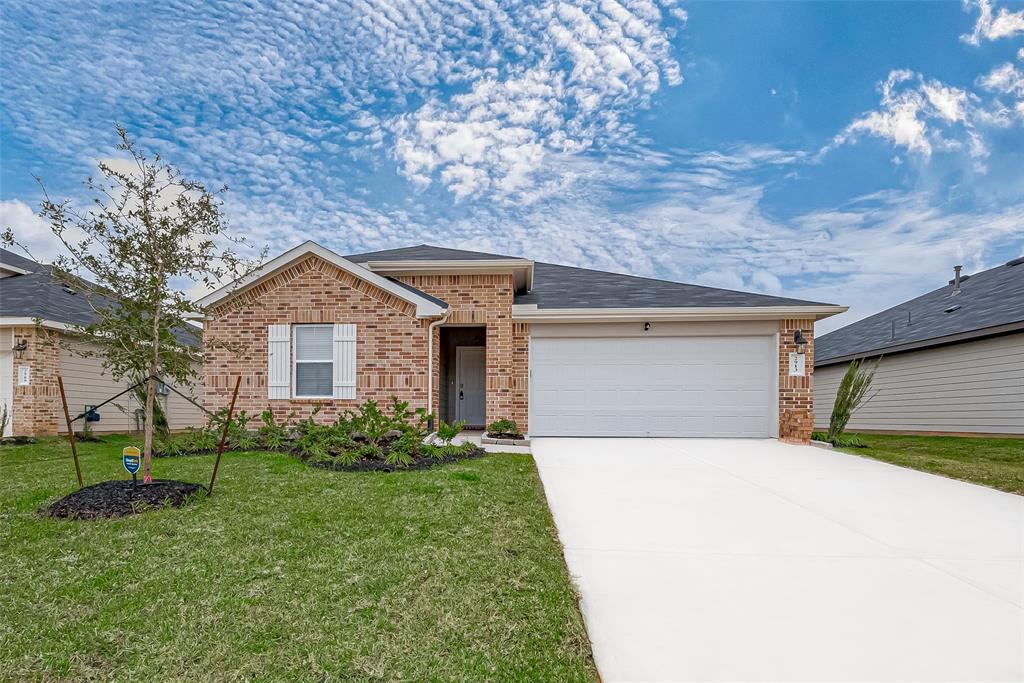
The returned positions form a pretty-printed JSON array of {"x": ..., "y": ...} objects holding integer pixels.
[
  {"x": 367, "y": 439},
  {"x": 119, "y": 497},
  {"x": 419, "y": 462}
]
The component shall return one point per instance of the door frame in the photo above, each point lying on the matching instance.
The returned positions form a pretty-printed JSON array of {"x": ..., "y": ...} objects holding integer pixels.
[{"x": 458, "y": 380}]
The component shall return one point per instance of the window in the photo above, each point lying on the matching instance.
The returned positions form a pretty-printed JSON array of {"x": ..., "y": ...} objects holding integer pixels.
[{"x": 314, "y": 366}]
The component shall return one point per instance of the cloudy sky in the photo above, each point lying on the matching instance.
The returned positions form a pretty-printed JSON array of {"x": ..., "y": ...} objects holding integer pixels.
[{"x": 842, "y": 152}]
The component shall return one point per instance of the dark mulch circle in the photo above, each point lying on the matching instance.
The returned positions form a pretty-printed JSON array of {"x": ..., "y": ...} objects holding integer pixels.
[
  {"x": 118, "y": 497},
  {"x": 424, "y": 462}
]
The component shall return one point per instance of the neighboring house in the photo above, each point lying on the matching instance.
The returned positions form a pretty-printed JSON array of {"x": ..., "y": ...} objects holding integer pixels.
[
  {"x": 30, "y": 360},
  {"x": 563, "y": 351},
  {"x": 952, "y": 359}
]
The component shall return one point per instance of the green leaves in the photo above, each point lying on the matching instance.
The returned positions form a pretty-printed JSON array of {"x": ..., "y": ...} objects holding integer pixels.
[{"x": 852, "y": 393}]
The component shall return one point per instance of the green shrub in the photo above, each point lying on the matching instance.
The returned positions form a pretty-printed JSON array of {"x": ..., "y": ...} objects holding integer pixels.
[
  {"x": 852, "y": 394},
  {"x": 372, "y": 423},
  {"x": 447, "y": 432},
  {"x": 504, "y": 427},
  {"x": 843, "y": 441},
  {"x": 272, "y": 435}
]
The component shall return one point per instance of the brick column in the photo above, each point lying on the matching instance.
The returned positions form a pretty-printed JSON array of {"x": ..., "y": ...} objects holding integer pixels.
[
  {"x": 796, "y": 416},
  {"x": 36, "y": 407}
]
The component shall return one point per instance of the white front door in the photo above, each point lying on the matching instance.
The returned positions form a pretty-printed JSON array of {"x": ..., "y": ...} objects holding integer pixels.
[
  {"x": 653, "y": 386},
  {"x": 7, "y": 388},
  {"x": 470, "y": 384}
]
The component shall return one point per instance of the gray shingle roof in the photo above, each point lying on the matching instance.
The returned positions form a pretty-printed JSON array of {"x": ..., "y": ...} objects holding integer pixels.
[
  {"x": 424, "y": 252},
  {"x": 556, "y": 286},
  {"x": 989, "y": 299},
  {"x": 41, "y": 295},
  {"x": 9, "y": 258}
]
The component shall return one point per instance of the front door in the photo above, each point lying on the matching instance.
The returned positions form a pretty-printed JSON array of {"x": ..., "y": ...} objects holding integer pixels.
[{"x": 470, "y": 384}]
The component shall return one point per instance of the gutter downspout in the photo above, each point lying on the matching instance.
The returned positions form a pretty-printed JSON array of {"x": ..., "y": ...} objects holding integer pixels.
[{"x": 430, "y": 358}]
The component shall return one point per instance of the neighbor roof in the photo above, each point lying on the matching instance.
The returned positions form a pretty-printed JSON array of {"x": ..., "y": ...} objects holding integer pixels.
[
  {"x": 557, "y": 287},
  {"x": 989, "y": 302},
  {"x": 39, "y": 294}
]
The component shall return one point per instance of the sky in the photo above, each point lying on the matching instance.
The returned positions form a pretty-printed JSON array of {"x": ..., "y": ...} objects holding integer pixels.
[{"x": 849, "y": 153}]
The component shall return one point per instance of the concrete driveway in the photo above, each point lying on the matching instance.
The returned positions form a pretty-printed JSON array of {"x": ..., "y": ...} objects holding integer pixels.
[{"x": 753, "y": 560}]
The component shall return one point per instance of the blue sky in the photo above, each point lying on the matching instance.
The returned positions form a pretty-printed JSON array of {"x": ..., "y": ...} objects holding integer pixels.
[{"x": 842, "y": 152}]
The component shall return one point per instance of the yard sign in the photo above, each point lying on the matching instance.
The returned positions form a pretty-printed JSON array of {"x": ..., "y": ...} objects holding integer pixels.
[{"x": 132, "y": 460}]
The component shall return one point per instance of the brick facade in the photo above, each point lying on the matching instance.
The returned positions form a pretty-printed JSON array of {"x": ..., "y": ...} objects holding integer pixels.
[
  {"x": 486, "y": 300},
  {"x": 36, "y": 407},
  {"x": 796, "y": 414},
  {"x": 391, "y": 343}
]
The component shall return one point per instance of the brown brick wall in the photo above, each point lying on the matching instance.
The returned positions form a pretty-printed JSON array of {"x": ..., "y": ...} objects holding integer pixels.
[
  {"x": 796, "y": 415},
  {"x": 487, "y": 300},
  {"x": 391, "y": 343},
  {"x": 36, "y": 407},
  {"x": 391, "y": 346}
]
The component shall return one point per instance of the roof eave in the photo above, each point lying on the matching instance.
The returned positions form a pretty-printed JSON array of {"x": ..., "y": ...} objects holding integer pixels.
[{"x": 531, "y": 313}]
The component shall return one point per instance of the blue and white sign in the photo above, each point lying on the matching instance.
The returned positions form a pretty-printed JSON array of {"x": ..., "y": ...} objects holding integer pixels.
[{"x": 131, "y": 458}]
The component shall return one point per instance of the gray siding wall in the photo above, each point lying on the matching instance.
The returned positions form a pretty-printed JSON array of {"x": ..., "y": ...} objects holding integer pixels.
[
  {"x": 971, "y": 387},
  {"x": 86, "y": 384}
]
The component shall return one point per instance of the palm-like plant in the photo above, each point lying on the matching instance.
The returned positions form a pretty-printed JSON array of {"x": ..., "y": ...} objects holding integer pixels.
[{"x": 852, "y": 394}]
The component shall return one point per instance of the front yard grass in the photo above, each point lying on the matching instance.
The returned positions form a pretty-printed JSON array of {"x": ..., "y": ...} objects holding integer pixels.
[
  {"x": 998, "y": 463},
  {"x": 287, "y": 573}
]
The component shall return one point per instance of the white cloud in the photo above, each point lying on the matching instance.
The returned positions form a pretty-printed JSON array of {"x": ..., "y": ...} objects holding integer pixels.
[
  {"x": 587, "y": 68},
  {"x": 29, "y": 230},
  {"x": 992, "y": 25},
  {"x": 908, "y": 102}
]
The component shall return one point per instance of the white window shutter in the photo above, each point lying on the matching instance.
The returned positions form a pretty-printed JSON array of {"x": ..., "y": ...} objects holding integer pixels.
[
  {"x": 279, "y": 361},
  {"x": 344, "y": 360}
]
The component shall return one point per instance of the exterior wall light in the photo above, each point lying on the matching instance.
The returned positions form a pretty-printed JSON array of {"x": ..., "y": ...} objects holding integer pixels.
[
  {"x": 798, "y": 339},
  {"x": 647, "y": 327},
  {"x": 19, "y": 348}
]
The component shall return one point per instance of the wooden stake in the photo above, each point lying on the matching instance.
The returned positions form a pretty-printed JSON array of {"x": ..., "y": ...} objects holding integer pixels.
[
  {"x": 224, "y": 436},
  {"x": 71, "y": 431}
]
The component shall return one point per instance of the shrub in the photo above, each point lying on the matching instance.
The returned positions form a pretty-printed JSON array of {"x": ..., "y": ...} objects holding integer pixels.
[
  {"x": 504, "y": 428},
  {"x": 447, "y": 432},
  {"x": 272, "y": 435},
  {"x": 852, "y": 394},
  {"x": 844, "y": 440},
  {"x": 372, "y": 423}
]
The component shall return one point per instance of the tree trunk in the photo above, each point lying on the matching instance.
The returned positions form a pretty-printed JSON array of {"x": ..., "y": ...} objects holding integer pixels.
[
  {"x": 154, "y": 365},
  {"x": 147, "y": 452}
]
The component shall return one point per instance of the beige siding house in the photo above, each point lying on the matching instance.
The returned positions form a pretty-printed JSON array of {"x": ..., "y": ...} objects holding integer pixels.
[
  {"x": 31, "y": 357},
  {"x": 951, "y": 361}
]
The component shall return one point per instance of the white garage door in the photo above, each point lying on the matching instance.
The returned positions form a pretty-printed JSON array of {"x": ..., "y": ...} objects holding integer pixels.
[{"x": 653, "y": 386}]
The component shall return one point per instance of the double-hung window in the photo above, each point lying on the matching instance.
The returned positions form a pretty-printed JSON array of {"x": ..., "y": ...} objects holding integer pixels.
[{"x": 314, "y": 361}]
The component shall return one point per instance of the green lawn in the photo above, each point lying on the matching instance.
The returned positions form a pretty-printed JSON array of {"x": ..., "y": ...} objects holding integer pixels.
[
  {"x": 998, "y": 463},
  {"x": 287, "y": 573}
]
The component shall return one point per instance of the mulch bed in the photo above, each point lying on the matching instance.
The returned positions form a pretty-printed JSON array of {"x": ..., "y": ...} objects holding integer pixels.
[
  {"x": 117, "y": 498},
  {"x": 373, "y": 465},
  {"x": 504, "y": 435}
]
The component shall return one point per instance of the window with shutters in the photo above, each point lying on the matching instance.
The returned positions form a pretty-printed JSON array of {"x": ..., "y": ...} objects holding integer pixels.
[{"x": 314, "y": 361}]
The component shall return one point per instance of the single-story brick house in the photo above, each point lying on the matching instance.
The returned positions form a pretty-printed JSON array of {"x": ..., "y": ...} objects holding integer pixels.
[
  {"x": 952, "y": 360},
  {"x": 31, "y": 357},
  {"x": 563, "y": 351}
]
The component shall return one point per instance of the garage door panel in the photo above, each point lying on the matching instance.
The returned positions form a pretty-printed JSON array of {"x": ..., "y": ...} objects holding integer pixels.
[{"x": 663, "y": 386}]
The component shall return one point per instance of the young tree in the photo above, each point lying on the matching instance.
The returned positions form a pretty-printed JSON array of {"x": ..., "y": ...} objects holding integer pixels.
[
  {"x": 148, "y": 233},
  {"x": 851, "y": 395}
]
